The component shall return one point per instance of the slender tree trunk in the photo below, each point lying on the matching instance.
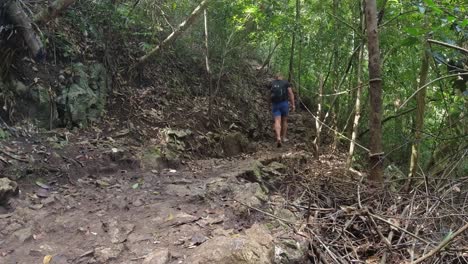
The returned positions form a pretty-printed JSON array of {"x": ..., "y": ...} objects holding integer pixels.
[
  {"x": 336, "y": 81},
  {"x": 173, "y": 36},
  {"x": 419, "y": 118},
  {"x": 318, "y": 125},
  {"x": 52, "y": 10},
  {"x": 357, "y": 107},
  {"x": 24, "y": 25},
  {"x": 299, "y": 62},
  {"x": 293, "y": 43},
  {"x": 375, "y": 84},
  {"x": 207, "y": 62}
]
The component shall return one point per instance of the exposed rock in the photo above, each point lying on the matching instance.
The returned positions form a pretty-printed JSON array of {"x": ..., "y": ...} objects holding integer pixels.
[
  {"x": 276, "y": 166},
  {"x": 104, "y": 255},
  {"x": 198, "y": 239},
  {"x": 58, "y": 259},
  {"x": 85, "y": 99},
  {"x": 8, "y": 188},
  {"x": 159, "y": 256},
  {"x": 48, "y": 201},
  {"x": 23, "y": 234},
  {"x": 255, "y": 247},
  {"x": 217, "y": 186},
  {"x": 160, "y": 157},
  {"x": 234, "y": 144},
  {"x": 285, "y": 214},
  {"x": 36, "y": 103},
  {"x": 290, "y": 252},
  {"x": 180, "y": 218},
  {"x": 118, "y": 231}
]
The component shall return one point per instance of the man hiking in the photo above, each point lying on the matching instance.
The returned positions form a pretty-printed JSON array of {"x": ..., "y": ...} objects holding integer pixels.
[{"x": 281, "y": 93}]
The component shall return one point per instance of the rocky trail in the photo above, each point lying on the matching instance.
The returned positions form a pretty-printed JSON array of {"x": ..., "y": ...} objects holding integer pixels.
[{"x": 206, "y": 211}]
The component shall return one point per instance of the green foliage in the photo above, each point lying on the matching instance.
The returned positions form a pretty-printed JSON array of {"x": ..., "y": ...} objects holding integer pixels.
[
  {"x": 328, "y": 34},
  {"x": 4, "y": 134}
]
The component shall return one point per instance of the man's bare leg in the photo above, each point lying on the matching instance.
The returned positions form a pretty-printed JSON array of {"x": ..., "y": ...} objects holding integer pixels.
[
  {"x": 284, "y": 126},
  {"x": 277, "y": 127}
]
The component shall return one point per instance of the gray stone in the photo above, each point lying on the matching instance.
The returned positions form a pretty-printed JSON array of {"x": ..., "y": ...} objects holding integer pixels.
[
  {"x": 250, "y": 194},
  {"x": 159, "y": 256},
  {"x": 119, "y": 231},
  {"x": 290, "y": 252},
  {"x": 59, "y": 259},
  {"x": 35, "y": 102},
  {"x": 255, "y": 247},
  {"x": 85, "y": 99},
  {"x": 8, "y": 188},
  {"x": 23, "y": 234},
  {"x": 234, "y": 144},
  {"x": 48, "y": 201},
  {"x": 104, "y": 255}
]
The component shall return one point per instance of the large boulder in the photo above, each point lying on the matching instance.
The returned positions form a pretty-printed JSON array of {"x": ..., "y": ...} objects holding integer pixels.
[
  {"x": 8, "y": 188},
  {"x": 253, "y": 247},
  {"x": 84, "y": 99},
  {"x": 234, "y": 144},
  {"x": 35, "y": 102}
]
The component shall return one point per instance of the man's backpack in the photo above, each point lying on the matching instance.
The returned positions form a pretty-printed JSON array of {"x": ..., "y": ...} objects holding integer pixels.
[{"x": 279, "y": 91}]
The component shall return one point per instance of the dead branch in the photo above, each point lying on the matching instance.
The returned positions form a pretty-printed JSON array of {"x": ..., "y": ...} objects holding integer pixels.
[
  {"x": 442, "y": 244},
  {"x": 180, "y": 29},
  {"x": 447, "y": 45},
  {"x": 399, "y": 228}
]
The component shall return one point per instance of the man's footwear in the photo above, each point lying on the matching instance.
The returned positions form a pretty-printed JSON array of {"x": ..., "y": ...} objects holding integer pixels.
[
  {"x": 278, "y": 144},
  {"x": 285, "y": 140}
]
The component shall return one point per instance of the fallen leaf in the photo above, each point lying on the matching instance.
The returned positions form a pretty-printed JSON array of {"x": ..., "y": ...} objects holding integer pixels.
[
  {"x": 102, "y": 183},
  {"x": 42, "y": 185},
  {"x": 170, "y": 217},
  {"x": 47, "y": 259},
  {"x": 135, "y": 186}
]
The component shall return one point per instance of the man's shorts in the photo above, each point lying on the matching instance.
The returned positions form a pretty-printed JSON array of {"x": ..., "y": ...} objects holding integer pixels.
[{"x": 280, "y": 109}]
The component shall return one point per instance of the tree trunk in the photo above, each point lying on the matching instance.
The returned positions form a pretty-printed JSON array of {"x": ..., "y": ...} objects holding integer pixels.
[
  {"x": 52, "y": 11},
  {"x": 173, "y": 36},
  {"x": 207, "y": 61},
  {"x": 357, "y": 107},
  {"x": 299, "y": 59},
  {"x": 375, "y": 84},
  {"x": 293, "y": 43},
  {"x": 336, "y": 104},
  {"x": 318, "y": 125},
  {"x": 419, "y": 118},
  {"x": 24, "y": 25}
]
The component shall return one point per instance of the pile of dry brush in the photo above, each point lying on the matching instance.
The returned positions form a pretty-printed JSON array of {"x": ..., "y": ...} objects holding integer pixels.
[{"x": 347, "y": 221}]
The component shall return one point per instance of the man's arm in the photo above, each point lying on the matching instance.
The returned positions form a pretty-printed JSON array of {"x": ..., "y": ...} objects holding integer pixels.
[{"x": 291, "y": 98}]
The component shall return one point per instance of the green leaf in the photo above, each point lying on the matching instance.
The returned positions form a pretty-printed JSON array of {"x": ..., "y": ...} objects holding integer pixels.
[
  {"x": 135, "y": 186},
  {"x": 409, "y": 41},
  {"x": 416, "y": 32},
  {"x": 464, "y": 23},
  {"x": 433, "y": 6}
]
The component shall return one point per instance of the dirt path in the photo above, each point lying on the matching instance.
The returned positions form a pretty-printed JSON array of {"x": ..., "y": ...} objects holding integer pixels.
[{"x": 135, "y": 216}]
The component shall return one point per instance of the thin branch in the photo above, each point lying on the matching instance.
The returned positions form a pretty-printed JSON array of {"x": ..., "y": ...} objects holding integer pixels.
[
  {"x": 399, "y": 228},
  {"x": 442, "y": 244},
  {"x": 389, "y": 118},
  {"x": 448, "y": 45},
  {"x": 431, "y": 82}
]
